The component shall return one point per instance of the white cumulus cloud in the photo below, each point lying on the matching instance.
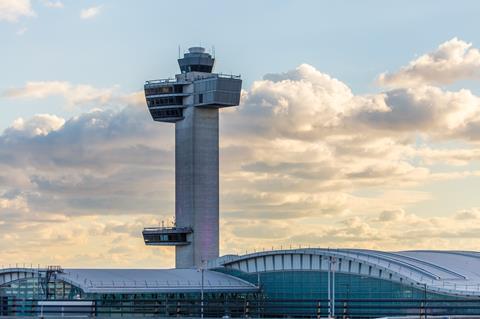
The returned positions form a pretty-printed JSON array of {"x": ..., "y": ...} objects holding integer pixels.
[
  {"x": 74, "y": 94},
  {"x": 91, "y": 12},
  {"x": 53, "y": 4},
  {"x": 12, "y": 10},
  {"x": 39, "y": 124},
  {"x": 306, "y": 104},
  {"x": 453, "y": 60}
]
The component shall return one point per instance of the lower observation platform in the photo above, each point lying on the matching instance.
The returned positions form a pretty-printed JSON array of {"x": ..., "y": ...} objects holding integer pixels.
[{"x": 166, "y": 236}]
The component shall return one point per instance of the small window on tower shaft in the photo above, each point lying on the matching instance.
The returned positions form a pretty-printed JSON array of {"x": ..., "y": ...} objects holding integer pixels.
[{"x": 200, "y": 98}]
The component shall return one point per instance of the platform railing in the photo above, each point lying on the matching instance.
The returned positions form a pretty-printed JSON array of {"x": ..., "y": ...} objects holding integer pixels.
[
  {"x": 206, "y": 76},
  {"x": 161, "y": 81}
]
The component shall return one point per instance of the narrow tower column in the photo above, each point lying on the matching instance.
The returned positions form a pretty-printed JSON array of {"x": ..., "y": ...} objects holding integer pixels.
[
  {"x": 192, "y": 101},
  {"x": 196, "y": 190}
]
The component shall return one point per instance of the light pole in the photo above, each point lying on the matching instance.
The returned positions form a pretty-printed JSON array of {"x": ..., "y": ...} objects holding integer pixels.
[
  {"x": 202, "y": 269},
  {"x": 331, "y": 286},
  {"x": 333, "y": 260},
  {"x": 424, "y": 310},
  {"x": 328, "y": 289}
]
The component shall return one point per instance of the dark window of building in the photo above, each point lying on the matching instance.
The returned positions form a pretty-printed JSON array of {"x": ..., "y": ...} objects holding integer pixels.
[
  {"x": 166, "y": 113},
  {"x": 159, "y": 90},
  {"x": 174, "y": 100},
  {"x": 200, "y": 68},
  {"x": 178, "y": 88},
  {"x": 180, "y": 237},
  {"x": 164, "y": 90},
  {"x": 200, "y": 98}
]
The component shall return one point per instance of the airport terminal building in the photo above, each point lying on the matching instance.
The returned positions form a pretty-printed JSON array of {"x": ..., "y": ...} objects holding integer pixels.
[
  {"x": 313, "y": 282},
  {"x": 286, "y": 283}
]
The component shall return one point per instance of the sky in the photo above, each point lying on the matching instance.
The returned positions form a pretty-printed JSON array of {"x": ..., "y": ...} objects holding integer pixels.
[{"x": 358, "y": 127}]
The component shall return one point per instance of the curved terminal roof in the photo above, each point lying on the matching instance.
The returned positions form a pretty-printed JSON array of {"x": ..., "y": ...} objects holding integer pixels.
[
  {"x": 12, "y": 274},
  {"x": 448, "y": 272},
  {"x": 152, "y": 280},
  {"x": 138, "y": 280}
]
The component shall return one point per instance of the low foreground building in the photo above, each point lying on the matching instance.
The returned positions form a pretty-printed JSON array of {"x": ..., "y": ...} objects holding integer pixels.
[{"x": 346, "y": 283}]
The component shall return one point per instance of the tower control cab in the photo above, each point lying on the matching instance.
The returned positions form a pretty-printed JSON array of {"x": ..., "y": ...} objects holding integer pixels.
[{"x": 195, "y": 86}]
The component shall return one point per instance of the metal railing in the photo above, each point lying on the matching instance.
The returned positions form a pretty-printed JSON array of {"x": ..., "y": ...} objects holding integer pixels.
[
  {"x": 168, "y": 229},
  {"x": 162, "y": 81},
  {"x": 207, "y": 76},
  {"x": 228, "y": 76},
  {"x": 239, "y": 307},
  {"x": 160, "y": 283}
]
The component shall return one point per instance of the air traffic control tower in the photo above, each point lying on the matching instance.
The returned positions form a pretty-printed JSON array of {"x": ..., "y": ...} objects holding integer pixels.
[{"x": 192, "y": 101}]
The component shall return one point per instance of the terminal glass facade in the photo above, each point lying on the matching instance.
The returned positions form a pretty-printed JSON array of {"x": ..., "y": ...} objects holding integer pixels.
[
  {"x": 23, "y": 298},
  {"x": 282, "y": 294},
  {"x": 305, "y": 294}
]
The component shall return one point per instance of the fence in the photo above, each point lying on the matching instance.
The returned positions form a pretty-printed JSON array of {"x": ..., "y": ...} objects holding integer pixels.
[{"x": 261, "y": 308}]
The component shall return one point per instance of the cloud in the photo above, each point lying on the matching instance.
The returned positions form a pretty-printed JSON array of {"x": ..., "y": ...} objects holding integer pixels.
[
  {"x": 452, "y": 61},
  {"x": 76, "y": 95},
  {"x": 301, "y": 151},
  {"x": 61, "y": 180},
  {"x": 91, "y": 12},
  {"x": 12, "y": 10},
  {"x": 300, "y": 103},
  {"x": 107, "y": 152},
  {"x": 394, "y": 215},
  {"x": 17, "y": 203},
  {"x": 38, "y": 125},
  {"x": 422, "y": 109},
  {"x": 456, "y": 157},
  {"x": 53, "y": 4},
  {"x": 310, "y": 105},
  {"x": 95, "y": 151},
  {"x": 468, "y": 214}
]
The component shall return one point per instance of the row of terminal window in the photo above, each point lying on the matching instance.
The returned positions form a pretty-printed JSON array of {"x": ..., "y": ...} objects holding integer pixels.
[
  {"x": 196, "y": 68},
  {"x": 172, "y": 100},
  {"x": 164, "y": 90},
  {"x": 165, "y": 238},
  {"x": 206, "y": 85},
  {"x": 166, "y": 113},
  {"x": 219, "y": 84},
  {"x": 222, "y": 98}
]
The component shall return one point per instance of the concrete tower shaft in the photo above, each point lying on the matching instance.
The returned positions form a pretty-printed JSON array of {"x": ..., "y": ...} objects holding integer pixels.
[
  {"x": 197, "y": 185},
  {"x": 192, "y": 101}
]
